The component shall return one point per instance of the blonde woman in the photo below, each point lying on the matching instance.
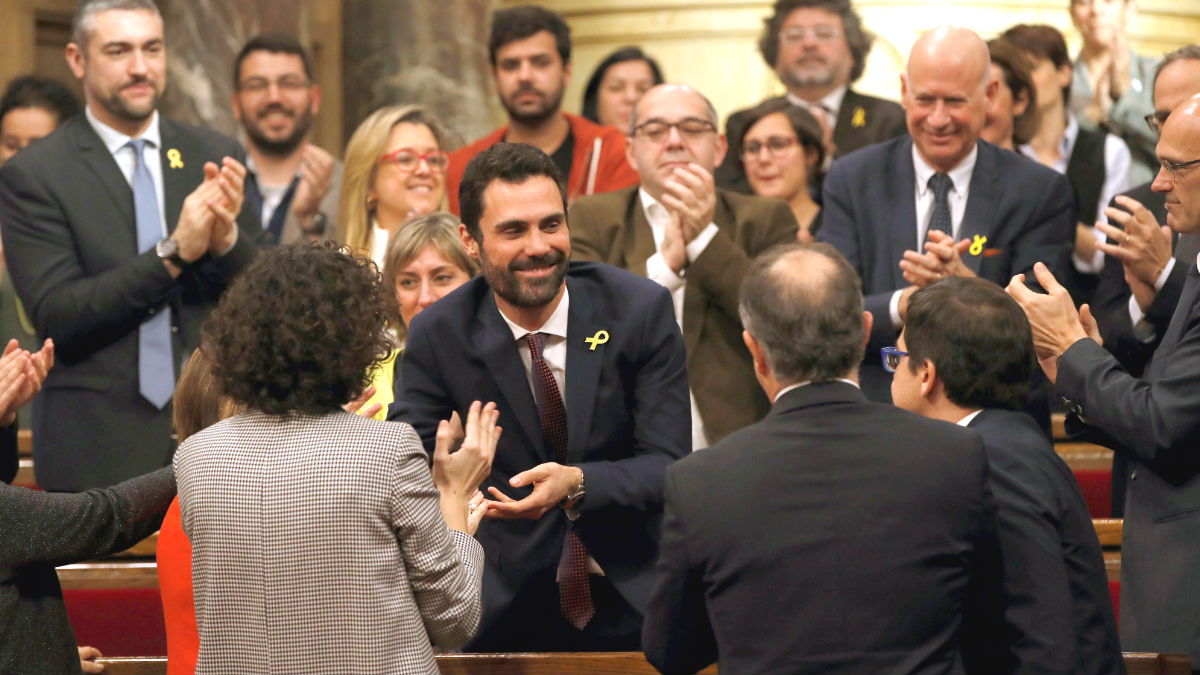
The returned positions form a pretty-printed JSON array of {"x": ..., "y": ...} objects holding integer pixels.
[
  {"x": 425, "y": 260},
  {"x": 394, "y": 169}
]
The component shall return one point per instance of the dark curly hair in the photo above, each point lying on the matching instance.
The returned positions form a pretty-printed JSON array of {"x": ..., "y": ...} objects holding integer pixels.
[
  {"x": 858, "y": 39},
  {"x": 299, "y": 330}
]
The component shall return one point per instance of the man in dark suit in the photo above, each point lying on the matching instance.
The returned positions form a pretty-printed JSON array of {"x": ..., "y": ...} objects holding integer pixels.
[
  {"x": 941, "y": 186},
  {"x": 1133, "y": 324},
  {"x": 1153, "y": 420},
  {"x": 818, "y": 48},
  {"x": 965, "y": 357},
  {"x": 569, "y": 561},
  {"x": 695, "y": 240},
  {"x": 116, "y": 253},
  {"x": 819, "y": 540}
]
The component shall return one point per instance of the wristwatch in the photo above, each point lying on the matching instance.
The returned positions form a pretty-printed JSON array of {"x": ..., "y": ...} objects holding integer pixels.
[
  {"x": 318, "y": 225},
  {"x": 168, "y": 249},
  {"x": 574, "y": 498}
]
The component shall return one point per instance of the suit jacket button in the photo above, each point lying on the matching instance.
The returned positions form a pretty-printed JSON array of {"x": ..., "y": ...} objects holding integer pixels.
[
  {"x": 151, "y": 310},
  {"x": 1133, "y": 475},
  {"x": 174, "y": 329}
]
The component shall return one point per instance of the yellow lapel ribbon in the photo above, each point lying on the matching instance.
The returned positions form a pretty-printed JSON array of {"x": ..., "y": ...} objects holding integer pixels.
[{"x": 173, "y": 159}]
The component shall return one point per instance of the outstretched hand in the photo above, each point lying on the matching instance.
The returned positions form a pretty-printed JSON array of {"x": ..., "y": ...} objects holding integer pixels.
[{"x": 1052, "y": 316}]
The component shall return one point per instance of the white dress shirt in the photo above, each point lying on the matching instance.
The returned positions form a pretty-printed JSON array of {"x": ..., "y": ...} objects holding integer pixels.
[
  {"x": 1143, "y": 329},
  {"x": 805, "y": 383},
  {"x": 116, "y": 141},
  {"x": 960, "y": 178},
  {"x": 555, "y": 349},
  {"x": 379, "y": 242},
  {"x": 1117, "y": 162},
  {"x": 970, "y": 416},
  {"x": 658, "y": 271}
]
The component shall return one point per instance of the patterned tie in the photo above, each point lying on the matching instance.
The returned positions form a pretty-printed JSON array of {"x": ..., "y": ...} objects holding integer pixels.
[
  {"x": 941, "y": 184},
  {"x": 156, "y": 374},
  {"x": 574, "y": 591}
]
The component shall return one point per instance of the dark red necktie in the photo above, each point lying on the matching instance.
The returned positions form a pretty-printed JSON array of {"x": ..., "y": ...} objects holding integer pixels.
[{"x": 574, "y": 592}]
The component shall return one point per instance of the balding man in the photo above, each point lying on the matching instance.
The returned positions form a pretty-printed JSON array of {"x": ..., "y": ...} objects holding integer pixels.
[
  {"x": 819, "y": 539},
  {"x": 895, "y": 210},
  {"x": 692, "y": 238},
  {"x": 1153, "y": 420}
]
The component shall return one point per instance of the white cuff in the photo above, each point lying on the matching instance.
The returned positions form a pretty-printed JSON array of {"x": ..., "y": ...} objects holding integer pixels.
[
  {"x": 1096, "y": 264},
  {"x": 658, "y": 272},
  {"x": 696, "y": 246},
  {"x": 1164, "y": 274},
  {"x": 894, "y": 310}
]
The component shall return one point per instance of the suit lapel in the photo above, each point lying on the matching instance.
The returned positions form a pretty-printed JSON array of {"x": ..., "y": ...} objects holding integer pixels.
[
  {"x": 903, "y": 236},
  {"x": 843, "y": 127},
  {"x": 693, "y": 296},
  {"x": 493, "y": 342},
  {"x": 175, "y": 172},
  {"x": 981, "y": 204},
  {"x": 101, "y": 163},
  {"x": 583, "y": 369},
  {"x": 638, "y": 241},
  {"x": 1180, "y": 320}
]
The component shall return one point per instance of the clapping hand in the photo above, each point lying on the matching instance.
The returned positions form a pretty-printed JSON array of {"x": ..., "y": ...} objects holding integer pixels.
[
  {"x": 21, "y": 377},
  {"x": 457, "y": 474}
]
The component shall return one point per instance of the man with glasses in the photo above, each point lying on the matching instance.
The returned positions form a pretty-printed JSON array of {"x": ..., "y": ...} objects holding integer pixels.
[
  {"x": 1153, "y": 420},
  {"x": 941, "y": 203},
  {"x": 692, "y": 238},
  {"x": 292, "y": 184},
  {"x": 818, "y": 48},
  {"x": 964, "y": 357},
  {"x": 530, "y": 52}
]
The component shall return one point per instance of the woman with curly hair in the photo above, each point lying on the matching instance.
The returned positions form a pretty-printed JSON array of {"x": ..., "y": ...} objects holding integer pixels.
[
  {"x": 394, "y": 169},
  {"x": 320, "y": 541},
  {"x": 425, "y": 260}
]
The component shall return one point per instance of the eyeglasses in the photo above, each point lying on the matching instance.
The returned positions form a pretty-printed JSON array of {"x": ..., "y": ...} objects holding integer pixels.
[
  {"x": 1156, "y": 120},
  {"x": 776, "y": 147},
  {"x": 891, "y": 358},
  {"x": 1172, "y": 168},
  {"x": 287, "y": 83},
  {"x": 690, "y": 129},
  {"x": 795, "y": 35},
  {"x": 407, "y": 159}
]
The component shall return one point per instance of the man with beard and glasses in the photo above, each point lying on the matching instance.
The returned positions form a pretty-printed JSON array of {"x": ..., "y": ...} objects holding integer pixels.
[
  {"x": 586, "y": 365},
  {"x": 694, "y": 239},
  {"x": 818, "y": 48},
  {"x": 120, "y": 233},
  {"x": 530, "y": 52},
  {"x": 290, "y": 182}
]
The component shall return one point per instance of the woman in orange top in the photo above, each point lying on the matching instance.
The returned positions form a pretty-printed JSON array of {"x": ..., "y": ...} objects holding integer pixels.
[{"x": 198, "y": 404}]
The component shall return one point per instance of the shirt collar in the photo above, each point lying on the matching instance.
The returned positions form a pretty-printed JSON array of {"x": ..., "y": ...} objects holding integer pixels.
[
  {"x": 808, "y": 382},
  {"x": 831, "y": 101},
  {"x": 970, "y": 416},
  {"x": 959, "y": 175},
  {"x": 556, "y": 325},
  {"x": 655, "y": 212},
  {"x": 115, "y": 140},
  {"x": 1070, "y": 134}
]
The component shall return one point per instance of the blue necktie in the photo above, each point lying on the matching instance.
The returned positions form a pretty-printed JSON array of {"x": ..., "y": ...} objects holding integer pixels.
[
  {"x": 940, "y": 183},
  {"x": 156, "y": 372}
]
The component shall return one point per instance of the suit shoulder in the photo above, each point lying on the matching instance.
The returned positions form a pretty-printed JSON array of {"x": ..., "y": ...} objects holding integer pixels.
[
  {"x": 455, "y": 311},
  {"x": 604, "y": 203},
  {"x": 1012, "y": 439},
  {"x": 876, "y": 104},
  {"x": 596, "y": 275},
  {"x": 875, "y": 158},
  {"x": 740, "y": 202},
  {"x": 202, "y": 136}
]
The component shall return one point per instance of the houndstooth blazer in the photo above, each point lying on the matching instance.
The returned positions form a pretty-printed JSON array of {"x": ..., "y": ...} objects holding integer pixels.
[{"x": 318, "y": 546}]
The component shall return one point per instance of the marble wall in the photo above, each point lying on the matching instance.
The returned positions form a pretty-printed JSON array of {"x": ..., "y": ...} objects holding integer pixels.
[{"x": 419, "y": 51}]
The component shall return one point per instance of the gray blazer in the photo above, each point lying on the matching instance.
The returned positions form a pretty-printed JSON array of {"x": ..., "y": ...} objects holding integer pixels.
[{"x": 318, "y": 546}]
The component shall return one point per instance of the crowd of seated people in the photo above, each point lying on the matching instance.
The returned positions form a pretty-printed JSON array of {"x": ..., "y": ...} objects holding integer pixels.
[{"x": 773, "y": 398}]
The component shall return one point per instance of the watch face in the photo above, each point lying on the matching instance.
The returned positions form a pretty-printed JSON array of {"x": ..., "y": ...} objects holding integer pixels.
[{"x": 167, "y": 247}]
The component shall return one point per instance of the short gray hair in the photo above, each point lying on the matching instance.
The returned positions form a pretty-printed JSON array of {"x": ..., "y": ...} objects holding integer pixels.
[
  {"x": 85, "y": 17},
  {"x": 808, "y": 321}
]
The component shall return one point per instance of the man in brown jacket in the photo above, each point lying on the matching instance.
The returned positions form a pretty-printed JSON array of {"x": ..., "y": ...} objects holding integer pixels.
[{"x": 678, "y": 229}]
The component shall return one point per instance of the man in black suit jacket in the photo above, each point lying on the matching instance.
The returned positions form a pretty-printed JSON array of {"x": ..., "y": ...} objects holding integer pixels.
[
  {"x": 532, "y": 326},
  {"x": 965, "y": 357},
  {"x": 1153, "y": 420},
  {"x": 1005, "y": 212},
  {"x": 818, "y": 48},
  {"x": 819, "y": 539},
  {"x": 71, "y": 242}
]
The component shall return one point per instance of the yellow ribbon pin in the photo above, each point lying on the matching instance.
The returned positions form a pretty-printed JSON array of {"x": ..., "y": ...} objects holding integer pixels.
[
  {"x": 599, "y": 338},
  {"x": 173, "y": 159},
  {"x": 860, "y": 118},
  {"x": 977, "y": 244}
]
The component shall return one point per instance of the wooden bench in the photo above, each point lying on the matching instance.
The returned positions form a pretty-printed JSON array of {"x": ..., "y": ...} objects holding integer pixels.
[{"x": 596, "y": 663}]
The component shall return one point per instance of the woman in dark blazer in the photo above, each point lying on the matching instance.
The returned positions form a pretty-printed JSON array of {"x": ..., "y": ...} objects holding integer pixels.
[{"x": 319, "y": 538}]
